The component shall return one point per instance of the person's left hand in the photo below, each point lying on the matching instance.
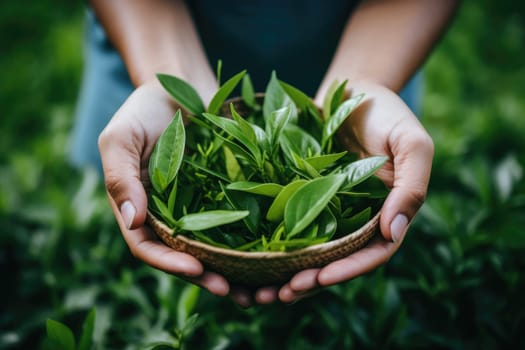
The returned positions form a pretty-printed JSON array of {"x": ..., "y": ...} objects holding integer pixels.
[{"x": 381, "y": 125}]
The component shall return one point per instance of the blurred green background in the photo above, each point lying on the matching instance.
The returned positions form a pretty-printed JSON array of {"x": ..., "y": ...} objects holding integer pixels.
[{"x": 457, "y": 282}]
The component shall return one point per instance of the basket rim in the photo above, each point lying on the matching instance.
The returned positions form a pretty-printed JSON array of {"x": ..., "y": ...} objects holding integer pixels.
[{"x": 316, "y": 248}]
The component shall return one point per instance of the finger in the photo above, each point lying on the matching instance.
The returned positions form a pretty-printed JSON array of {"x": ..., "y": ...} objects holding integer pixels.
[
  {"x": 241, "y": 297},
  {"x": 213, "y": 282},
  {"x": 288, "y": 295},
  {"x": 304, "y": 280},
  {"x": 412, "y": 159},
  {"x": 375, "y": 254},
  {"x": 120, "y": 154},
  {"x": 146, "y": 246},
  {"x": 266, "y": 295}
]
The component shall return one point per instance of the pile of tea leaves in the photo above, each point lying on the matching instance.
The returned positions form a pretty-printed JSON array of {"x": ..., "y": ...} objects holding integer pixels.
[{"x": 265, "y": 172}]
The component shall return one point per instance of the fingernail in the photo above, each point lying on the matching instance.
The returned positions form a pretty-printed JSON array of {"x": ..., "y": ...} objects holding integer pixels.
[
  {"x": 398, "y": 227},
  {"x": 127, "y": 210}
]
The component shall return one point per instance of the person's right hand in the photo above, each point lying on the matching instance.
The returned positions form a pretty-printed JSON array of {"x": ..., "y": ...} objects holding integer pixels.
[{"x": 125, "y": 146}]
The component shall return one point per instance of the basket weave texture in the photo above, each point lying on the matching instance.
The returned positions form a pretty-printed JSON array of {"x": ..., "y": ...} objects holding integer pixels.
[{"x": 264, "y": 268}]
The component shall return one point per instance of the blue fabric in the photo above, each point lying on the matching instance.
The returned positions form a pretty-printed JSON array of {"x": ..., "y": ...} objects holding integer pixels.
[
  {"x": 246, "y": 34},
  {"x": 105, "y": 87}
]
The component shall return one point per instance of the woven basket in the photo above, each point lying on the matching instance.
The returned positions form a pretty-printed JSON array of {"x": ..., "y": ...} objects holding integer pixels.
[{"x": 264, "y": 268}]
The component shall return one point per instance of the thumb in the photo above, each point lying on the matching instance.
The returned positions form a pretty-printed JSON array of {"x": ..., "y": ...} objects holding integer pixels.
[
  {"x": 122, "y": 173},
  {"x": 412, "y": 159}
]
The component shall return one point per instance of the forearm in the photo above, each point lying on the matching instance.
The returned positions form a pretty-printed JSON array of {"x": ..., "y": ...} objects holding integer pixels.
[
  {"x": 386, "y": 41},
  {"x": 156, "y": 36}
]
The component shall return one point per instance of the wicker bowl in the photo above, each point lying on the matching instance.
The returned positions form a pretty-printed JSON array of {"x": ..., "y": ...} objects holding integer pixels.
[{"x": 265, "y": 268}]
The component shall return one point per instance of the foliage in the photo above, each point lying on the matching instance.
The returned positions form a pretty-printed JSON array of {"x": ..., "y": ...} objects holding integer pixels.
[
  {"x": 259, "y": 182},
  {"x": 455, "y": 284}
]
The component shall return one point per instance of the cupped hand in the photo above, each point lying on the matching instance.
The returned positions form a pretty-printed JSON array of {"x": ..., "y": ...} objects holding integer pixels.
[
  {"x": 125, "y": 146},
  {"x": 381, "y": 125}
]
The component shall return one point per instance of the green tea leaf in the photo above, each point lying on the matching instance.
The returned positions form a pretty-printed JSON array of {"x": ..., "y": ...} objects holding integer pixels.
[
  {"x": 189, "y": 327},
  {"x": 245, "y": 127},
  {"x": 296, "y": 140},
  {"x": 302, "y": 101},
  {"x": 167, "y": 155},
  {"x": 361, "y": 170},
  {"x": 309, "y": 201},
  {"x": 265, "y": 189},
  {"x": 327, "y": 101},
  {"x": 239, "y": 151},
  {"x": 244, "y": 201},
  {"x": 298, "y": 97},
  {"x": 208, "y": 219},
  {"x": 219, "y": 72},
  {"x": 224, "y": 91},
  {"x": 186, "y": 304},
  {"x": 205, "y": 237},
  {"x": 164, "y": 212},
  {"x": 86, "y": 338},
  {"x": 304, "y": 166},
  {"x": 247, "y": 91},
  {"x": 172, "y": 197},
  {"x": 349, "y": 225},
  {"x": 327, "y": 224},
  {"x": 323, "y": 161},
  {"x": 260, "y": 135},
  {"x": 276, "y": 211},
  {"x": 232, "y": 128},
  {"x": 275, "y": 97},
  {"x": 207, "y": 170},
  {"x": 276, "y": 123},
  {"x": 158, "y": 180},
  {"x": 293, "y": 244},
  {"x": 183, "y": 93},
  {"x": 248, "y": 246},
  {"x": 337, "y": 97},
  {"x": 233, "y": 169},
  {"x": 339, "y": 117},
  {"x": 185, "y": 195},
  {"x": 60, "y": 335}
]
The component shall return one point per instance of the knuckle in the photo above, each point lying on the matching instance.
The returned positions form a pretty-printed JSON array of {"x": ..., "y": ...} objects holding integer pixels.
[
  {"x": 134, "y": 252},
  {"x": 384, "y": 259},
  {"x": 418, "y": 197},
  {"x": 113, "y": 184},
  {"x": 424, "y": 143}
]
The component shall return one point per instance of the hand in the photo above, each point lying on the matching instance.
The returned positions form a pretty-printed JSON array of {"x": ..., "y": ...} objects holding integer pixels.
[
  {"x": 125, "y": 147},
  {"x": 381, "y": 125}
]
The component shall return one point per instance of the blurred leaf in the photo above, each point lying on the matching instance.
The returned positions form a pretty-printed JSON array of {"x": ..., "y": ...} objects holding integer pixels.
[
  {"x": 186, "y": 304},
  {"x": 86, "y": 338},
  {"x": 60, "y": 335},
  {"x": 508, "y": 173},
  {"x": 476, "y": 175}
]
